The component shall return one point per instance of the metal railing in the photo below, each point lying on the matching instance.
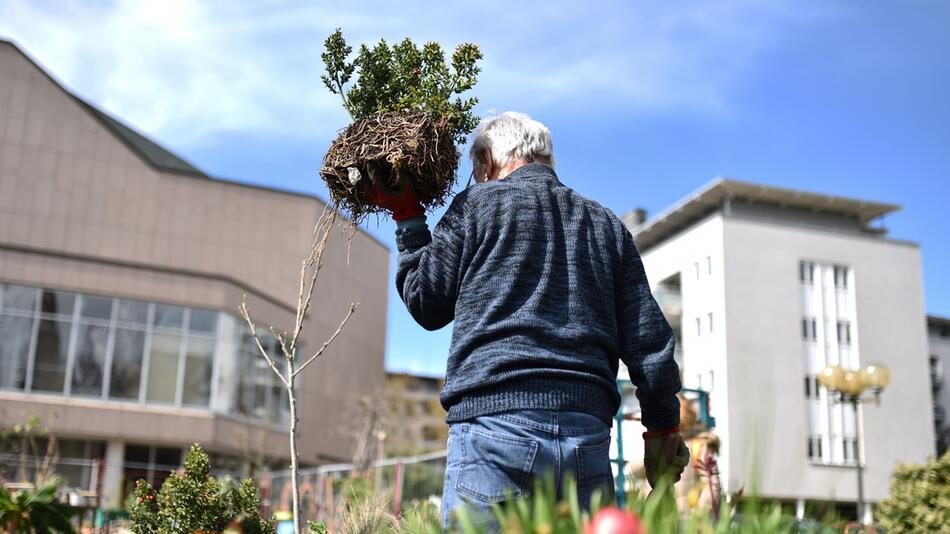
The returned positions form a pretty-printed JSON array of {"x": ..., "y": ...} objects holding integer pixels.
[{"x": 325, "y": 490}]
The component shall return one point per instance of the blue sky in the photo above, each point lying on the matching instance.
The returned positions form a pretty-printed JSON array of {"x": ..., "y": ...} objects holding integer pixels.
[{"x": 646, "y": 101}]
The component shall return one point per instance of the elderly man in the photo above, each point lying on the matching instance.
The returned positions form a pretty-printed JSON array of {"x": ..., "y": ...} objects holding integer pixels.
[{"x": 548, "y": 294}]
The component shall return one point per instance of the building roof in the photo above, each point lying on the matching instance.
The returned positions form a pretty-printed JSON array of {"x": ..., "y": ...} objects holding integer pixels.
[
  {"x": 935, "y": 321},
  {"x": 710, "y": 198},
  {"x": 154, "y": 154}
]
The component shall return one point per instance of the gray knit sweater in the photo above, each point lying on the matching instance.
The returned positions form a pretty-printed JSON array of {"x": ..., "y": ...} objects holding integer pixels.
[{"x": 548, "y": 292}]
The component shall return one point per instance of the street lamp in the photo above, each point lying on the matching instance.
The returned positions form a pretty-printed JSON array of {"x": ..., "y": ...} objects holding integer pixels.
[{"x": 848, "y": 385}]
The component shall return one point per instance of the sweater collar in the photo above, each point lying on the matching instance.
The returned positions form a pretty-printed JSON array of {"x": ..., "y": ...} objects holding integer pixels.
[{"x": 531, "y": 170}]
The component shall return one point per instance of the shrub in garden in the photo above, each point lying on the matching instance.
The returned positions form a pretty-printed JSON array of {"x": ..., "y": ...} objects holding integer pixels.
[
  {"x": 920, "y": 498},
  {"x": 191, "y": 500}
]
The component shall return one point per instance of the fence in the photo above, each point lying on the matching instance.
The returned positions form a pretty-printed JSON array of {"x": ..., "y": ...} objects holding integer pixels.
[{"x": 325, "y": 490}]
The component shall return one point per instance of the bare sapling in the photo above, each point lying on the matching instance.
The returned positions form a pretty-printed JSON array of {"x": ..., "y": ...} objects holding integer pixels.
[{"x": 293, "y": 363}]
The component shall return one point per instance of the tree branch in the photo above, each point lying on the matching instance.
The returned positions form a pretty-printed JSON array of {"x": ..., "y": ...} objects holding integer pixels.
[
  {"x": 257, "y": 340},
  {"x": 321, "y": 234},
  {"x": 326, "y": 344}
]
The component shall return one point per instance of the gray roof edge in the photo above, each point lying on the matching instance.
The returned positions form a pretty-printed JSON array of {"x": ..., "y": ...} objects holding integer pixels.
[
  {"x": 723, "y": 183},
  {"x": 937, "y": 320},
  {"x": 678, "y": 205},
  {"x": 727, "y": 181},
  {"x": 133, "y": 139}
]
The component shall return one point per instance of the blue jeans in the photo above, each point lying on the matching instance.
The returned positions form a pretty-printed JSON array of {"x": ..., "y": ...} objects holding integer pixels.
[{"x": 495, "y": 457}]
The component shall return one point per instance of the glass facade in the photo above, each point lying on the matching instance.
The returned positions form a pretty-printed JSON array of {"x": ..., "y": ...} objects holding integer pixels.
[
  {"x": 57, "y": 342},
  {"x": 73, "y": 460}
]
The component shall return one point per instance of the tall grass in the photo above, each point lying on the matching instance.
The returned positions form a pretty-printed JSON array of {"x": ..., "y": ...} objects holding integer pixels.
[{"x": 544, "y": 512}]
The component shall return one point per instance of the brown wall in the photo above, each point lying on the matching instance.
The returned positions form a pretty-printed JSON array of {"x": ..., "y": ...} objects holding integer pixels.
[{"x": 80, "y": 210}]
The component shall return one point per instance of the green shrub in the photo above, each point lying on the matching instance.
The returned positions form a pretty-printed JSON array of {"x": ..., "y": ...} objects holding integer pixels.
[
  {"x": 193, "y": 500},
  {"x": 404, "y": 77},
  {"x": 920, "y": 498}
]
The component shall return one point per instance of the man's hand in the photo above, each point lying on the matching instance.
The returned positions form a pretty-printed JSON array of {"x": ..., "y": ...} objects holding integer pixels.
[
  {"x": 402, "y": 204},
  {"x": 664, "y": 455}
]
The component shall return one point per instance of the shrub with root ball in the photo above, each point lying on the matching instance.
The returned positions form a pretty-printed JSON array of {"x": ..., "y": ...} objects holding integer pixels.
[
  {"x": 408, "y": 119},
  {"x": 388, "y": 149}
]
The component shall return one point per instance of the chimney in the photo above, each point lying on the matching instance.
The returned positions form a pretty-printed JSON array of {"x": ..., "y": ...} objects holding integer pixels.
[{"x": 639, "y": 216}]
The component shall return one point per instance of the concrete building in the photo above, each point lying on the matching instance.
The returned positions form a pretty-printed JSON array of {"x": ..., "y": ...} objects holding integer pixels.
[
  {"x": 416, "y": 418},
  {"x": 939, "y": 330},
  {"x": 765, "y": 286},
  {"x": 122, "y": 267}
]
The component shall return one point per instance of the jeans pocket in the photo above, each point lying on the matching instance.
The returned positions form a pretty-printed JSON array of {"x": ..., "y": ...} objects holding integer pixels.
[
  {"x": 593, "y": 467},
  {"x": 495, "y": 467}
]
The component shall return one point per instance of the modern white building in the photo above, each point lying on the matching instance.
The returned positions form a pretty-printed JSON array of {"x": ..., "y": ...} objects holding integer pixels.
[
  {"x": 765, "y": 286},
  {"x": 939, "y": 330}
]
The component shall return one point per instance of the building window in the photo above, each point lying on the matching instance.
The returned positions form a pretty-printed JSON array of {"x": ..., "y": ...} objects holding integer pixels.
[
  {"x": 52, "y": 353},
  {"x": 936, "y": 372},
  {"x": 150, "y": 463},
  {"x": 809, "y": 329},
  {"x": 849, "y": 450},
  {"x": 696, "y": 267},
  {"x": 841, "y": 277},
  {"x": 812, "y": 387},
  {"x": 807, "y": 272},
  {"x": 163, "y": 368},
  {"x": 710, "y": 319},
  {"x": 815, "y": 449},
  {"x": 198, "y": 361},
  {"x": 699, "y": 326},
  {"x": 844, "y": 332},
  {"x": 127, "y": 363},
  {"x": 134, "y": 351},
  {"x": 15, "y": 333},
  {"x": 74, "y": 461},
  {"x": 90, "y": 360},
  {"x": 708, "y": 265},
  {"x": 260, "y": 391},
  {"x": 18, "y": 298}
]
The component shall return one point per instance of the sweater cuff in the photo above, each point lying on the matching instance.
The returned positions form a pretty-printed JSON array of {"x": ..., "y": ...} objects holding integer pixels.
[
  {"x": 658, "y": 433},
  {"x": 660, "y": 414},
  {"x": 415, "y": 223}
]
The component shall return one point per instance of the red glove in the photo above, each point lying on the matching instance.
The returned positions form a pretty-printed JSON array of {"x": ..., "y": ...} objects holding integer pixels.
[{"x": 403, "y": 205}]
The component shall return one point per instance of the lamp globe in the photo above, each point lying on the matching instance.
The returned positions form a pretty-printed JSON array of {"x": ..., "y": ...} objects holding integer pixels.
[
  {"x": 877, "y": 376},
  {"x": 851, "y": 383},
  {"x": 831, "y": 377}
]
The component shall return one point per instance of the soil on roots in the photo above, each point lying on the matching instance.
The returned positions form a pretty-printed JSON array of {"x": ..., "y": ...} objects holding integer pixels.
[{"x": 391, "y": 149}]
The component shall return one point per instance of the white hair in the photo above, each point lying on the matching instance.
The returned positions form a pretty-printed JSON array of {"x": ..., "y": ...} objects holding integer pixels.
[{"x": 511, "y": 136}]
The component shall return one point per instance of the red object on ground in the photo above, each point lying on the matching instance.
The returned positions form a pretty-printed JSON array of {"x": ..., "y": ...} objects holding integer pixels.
[{"x": 615, "y": 521}]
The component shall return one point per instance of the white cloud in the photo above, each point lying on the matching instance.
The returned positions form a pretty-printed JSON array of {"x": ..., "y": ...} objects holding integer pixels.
[{"x": 187, "y": 70}]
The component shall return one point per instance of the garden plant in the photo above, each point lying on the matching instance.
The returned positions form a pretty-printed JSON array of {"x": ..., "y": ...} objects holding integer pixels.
[
  {"x": 919, "y": 499},
  {"x": 545, "y": 512},
  {"x": 408, "y": 120},
  {"x": 191, "y": 500},
  {"x": 35, "y": 510}
]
